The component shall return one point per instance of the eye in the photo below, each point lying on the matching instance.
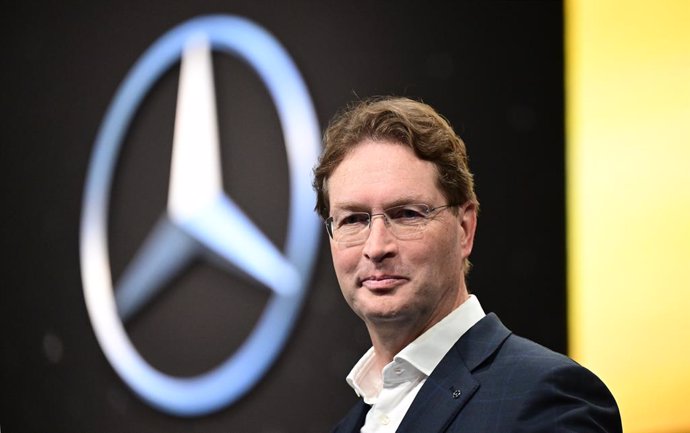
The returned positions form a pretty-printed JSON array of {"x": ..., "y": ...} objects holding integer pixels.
[
  {"x": 407, "y": 213},
  {"x": 354, "y": 219}
]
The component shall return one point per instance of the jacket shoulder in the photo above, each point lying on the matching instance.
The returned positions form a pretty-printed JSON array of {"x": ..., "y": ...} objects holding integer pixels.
[{"x": 524, "y": 386}]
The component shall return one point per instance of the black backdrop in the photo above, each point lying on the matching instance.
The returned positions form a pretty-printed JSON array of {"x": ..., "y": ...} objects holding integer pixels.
[{"x": 494, "y": 69}]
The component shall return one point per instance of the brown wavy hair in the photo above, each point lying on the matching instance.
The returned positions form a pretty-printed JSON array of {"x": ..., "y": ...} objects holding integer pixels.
[{"x": 400, "y": 120}]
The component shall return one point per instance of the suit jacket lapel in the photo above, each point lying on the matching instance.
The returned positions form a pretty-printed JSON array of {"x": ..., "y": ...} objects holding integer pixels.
[
  {"x": 440, "y": 399},
  {"x": 451, "y": 385}
]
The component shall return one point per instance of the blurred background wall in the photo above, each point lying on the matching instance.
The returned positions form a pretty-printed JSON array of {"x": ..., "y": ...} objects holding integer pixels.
[{"x": 628, "y": 141}]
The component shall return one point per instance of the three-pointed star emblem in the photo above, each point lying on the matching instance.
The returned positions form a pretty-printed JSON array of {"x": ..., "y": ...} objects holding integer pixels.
[{"x": 200, "y": 218}]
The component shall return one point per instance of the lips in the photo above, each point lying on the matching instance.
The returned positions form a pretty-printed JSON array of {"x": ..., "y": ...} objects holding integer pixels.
[{"x": 382, "y": 282}]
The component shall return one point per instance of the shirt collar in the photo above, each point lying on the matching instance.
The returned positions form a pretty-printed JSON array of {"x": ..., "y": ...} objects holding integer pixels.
[
  {"x": 424, "y": 353},
  {"x": 363, "y": 380},
  {"x": 427, "y": 350}
]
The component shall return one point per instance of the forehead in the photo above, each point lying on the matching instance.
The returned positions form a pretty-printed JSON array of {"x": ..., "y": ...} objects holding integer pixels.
[{"x": 381, "y": 174}]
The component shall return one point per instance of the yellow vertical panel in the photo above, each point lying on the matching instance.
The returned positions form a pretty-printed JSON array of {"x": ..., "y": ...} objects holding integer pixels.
[{"x": 628, "y": 161}]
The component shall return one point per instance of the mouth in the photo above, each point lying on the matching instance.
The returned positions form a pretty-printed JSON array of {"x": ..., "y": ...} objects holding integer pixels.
[{"x": 379, "y": 283}]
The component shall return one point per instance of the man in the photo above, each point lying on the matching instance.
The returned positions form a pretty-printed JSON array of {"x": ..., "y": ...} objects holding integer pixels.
[{"x": 395, "y": 190}]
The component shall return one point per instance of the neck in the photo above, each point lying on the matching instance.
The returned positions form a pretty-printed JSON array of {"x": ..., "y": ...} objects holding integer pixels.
[
  {"x": 388, "y": 340},
  {"x": 391, "y": 336}
]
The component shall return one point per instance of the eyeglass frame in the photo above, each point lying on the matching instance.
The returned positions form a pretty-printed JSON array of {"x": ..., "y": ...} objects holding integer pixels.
[{"x": 427, "y": 217}]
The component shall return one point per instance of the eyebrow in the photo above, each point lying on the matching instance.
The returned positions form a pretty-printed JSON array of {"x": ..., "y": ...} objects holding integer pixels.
[{"x": 358, "y": 207}]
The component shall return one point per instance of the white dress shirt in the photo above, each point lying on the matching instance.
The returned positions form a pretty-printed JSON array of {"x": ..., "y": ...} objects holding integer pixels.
[{"x": 390, "y": 393}]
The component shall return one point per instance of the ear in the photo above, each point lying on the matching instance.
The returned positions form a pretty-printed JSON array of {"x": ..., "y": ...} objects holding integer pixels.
[{"x": 468, "y": 222}]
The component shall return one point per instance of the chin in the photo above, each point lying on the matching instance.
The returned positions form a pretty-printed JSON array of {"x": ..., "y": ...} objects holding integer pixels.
[
  {"x": 380, "y": 309},
  {"x": 383, "y": 316}
]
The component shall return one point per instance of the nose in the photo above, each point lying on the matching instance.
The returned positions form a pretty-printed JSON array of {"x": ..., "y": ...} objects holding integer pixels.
[{"x": 381, "y": 243}]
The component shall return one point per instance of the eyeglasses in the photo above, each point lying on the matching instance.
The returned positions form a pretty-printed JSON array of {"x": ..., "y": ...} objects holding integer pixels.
[{"x": 406, "y": 221}]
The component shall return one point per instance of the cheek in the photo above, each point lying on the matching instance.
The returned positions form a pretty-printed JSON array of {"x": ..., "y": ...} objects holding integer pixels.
[
  {"x": 344, "y": 261},
  {"x": 443, "y": 254}
]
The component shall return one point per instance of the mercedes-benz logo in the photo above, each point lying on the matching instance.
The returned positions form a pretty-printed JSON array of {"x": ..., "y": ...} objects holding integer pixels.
[{"x": 200, "y": 218}]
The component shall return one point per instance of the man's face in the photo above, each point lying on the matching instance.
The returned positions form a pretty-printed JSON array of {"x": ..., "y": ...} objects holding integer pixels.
[{"x": 416, "y": 281}]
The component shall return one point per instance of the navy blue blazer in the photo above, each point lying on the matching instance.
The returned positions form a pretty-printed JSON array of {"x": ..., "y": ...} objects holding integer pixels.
[{"x": 492, "y": 381}]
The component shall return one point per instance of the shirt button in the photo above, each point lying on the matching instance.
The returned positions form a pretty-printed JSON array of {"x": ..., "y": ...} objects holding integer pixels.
[
  {"x": 385, "y": 420},
  {"x": 399, "y": 371}
]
